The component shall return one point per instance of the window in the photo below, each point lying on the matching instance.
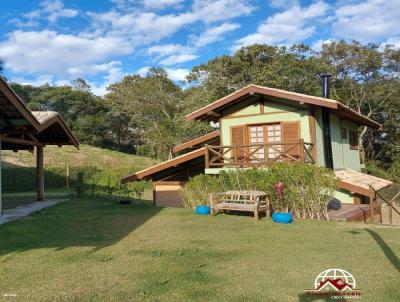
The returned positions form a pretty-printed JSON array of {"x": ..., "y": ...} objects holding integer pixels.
[
  {"x": 353, "y": 139},
  {"x": 343, "y": 132}
]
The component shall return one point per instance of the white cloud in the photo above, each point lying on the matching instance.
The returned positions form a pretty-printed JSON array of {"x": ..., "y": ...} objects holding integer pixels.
[
  {"x": 210, "y": 11},
  {"x": 214, "y": 34},
  {"x": 50, "y": 10},
  {"x": 317, "y": 45},
  {"x": 48, "y": 52},
  {"x": 176, "y": 59},
  {"x": 160, "y": 4},
  {"x": 178, "y": 74},
  {"x": 282, "y": 3},
  {"x": 170, "y": 54},
  {"x": 368, "y": 21},
  {"x": 291, "y": 26},
  {"x": 393, "y": 41}
]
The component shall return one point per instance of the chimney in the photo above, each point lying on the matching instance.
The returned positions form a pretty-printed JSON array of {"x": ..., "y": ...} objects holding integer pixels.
[{"x": 326, "y": 122}]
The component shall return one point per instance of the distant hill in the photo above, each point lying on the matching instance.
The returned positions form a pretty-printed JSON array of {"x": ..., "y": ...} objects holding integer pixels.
[{"x": 86, "y": 156}]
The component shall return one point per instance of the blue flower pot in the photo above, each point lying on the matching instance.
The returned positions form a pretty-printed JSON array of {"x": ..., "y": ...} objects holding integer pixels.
[
  {"x": 202, "y": 210},
  {"x": 282, "y": 217}
]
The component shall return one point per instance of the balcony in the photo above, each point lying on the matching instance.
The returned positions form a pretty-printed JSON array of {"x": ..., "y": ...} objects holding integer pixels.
[{"x": 258, "y": 155}]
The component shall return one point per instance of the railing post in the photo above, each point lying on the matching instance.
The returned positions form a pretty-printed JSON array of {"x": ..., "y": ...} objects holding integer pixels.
[
  {"x": 207, "y": 156},
  {"x": 371, "y": 203},
  {"x": 301, "y": 151}
]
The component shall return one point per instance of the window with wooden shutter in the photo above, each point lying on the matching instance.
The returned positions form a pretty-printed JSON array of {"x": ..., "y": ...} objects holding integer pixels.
[
  {"x": 238, "y": 137},
  {"x": 290, "y": 139},
  {"x": 353, "y": 139}
]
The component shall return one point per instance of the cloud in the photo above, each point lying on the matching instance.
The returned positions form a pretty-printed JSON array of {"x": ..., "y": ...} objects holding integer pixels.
[
  {"x": 176, "y": 75},
  {"x": 147, "y": 27},
  {"x": 50, "y": 10},
  {"x": 160, "y": 4},
  {"x": 367, "y": 21},
  {"x": 317, "y": 45},
  {"x": 283, "y": 3},
  {"x": 393, "y": 41},
  {"x": 170, "y": 54},
  {"x": 291, "y": 26},
  {"x": 214, "y": 34},
  {"x": 48, "y": 52}
]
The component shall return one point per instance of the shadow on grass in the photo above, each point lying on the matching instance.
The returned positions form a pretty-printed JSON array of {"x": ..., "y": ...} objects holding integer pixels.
[
  {"x": 91, "y": 222},
  {"x": 390, "y": 255}
]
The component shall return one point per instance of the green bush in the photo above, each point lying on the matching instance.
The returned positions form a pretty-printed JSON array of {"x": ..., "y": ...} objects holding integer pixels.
[{"x": 307, "y": 189}]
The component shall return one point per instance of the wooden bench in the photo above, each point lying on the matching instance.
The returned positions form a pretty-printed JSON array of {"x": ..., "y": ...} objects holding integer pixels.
[{"x": 245, "y": 201}]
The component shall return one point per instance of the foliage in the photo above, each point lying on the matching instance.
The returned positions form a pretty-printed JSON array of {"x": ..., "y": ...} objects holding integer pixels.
[{"x": 307, "y": 189}]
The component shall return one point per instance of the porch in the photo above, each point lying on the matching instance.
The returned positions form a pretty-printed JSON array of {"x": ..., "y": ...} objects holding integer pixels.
[{"x": 258, "y": 155}]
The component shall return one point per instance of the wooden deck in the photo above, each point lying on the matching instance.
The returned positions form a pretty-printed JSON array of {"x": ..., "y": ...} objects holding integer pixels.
[{"x": 354, "y": 212}]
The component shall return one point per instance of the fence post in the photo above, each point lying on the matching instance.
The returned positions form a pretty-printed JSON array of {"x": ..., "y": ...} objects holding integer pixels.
[
  {"x": 301, "y": 151},
  {"x": 371, "y": 203},
  {"x": 67, "y": 178},
  {"x": 207, "y": 156}
]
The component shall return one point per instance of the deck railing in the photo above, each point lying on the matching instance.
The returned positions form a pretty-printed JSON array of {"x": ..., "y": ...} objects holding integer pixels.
[{"x": 257, "y": 155}]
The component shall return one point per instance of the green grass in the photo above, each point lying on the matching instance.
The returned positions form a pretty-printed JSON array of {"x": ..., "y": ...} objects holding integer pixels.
[
  {"x": 85, "y": 156},
  {"x": 13, "y": 200},
  {"x": 97, "y": 250}
]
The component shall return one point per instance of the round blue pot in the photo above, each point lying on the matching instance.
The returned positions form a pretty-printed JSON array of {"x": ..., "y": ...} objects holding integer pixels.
[
  {"x": 202, "y": 210},
  {"x": 282, "y": 217}
]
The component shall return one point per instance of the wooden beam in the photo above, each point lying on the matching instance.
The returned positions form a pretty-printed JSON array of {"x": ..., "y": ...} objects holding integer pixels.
[
  {"x": 40, "y": 173},
  {"x": 19, "y": 141}
]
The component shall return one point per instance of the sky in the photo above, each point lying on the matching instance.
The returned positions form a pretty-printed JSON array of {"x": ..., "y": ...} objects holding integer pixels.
[{"x": 56, "y": 41}]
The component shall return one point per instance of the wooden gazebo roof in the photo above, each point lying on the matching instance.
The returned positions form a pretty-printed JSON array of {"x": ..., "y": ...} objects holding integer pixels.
[{"x": 22, "y": 129}]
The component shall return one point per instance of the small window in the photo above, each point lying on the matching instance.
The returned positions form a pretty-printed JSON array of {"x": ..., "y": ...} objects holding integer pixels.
[
  {"x": 343, "y": 132},
  {"x": 353, "y": 140}
]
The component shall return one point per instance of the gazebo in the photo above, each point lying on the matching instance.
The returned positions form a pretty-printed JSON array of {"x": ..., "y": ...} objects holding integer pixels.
[{"x": 22, "y": 129}]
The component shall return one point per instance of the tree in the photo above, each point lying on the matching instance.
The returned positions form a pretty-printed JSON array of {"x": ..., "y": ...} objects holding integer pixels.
[
  {"x": 366, "y": 78},
  {"x": 152, "y": 107}
]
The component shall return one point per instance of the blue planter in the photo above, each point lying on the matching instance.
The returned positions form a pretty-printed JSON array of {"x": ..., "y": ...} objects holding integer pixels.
[
  {"x": 202, "y": 210},
  {"x": 282, "y": 217}
]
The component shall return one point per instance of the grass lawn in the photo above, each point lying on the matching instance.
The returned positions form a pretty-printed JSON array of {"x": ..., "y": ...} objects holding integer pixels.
[
  {"x": 13, "y": 200},
  {"x": 96, "y": 250}
]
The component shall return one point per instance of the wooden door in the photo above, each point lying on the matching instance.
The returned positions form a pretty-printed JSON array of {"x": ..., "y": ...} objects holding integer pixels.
[{"x": 290, "y": 139}]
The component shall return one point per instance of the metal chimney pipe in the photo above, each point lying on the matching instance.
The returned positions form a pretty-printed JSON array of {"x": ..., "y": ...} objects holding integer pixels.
[
  {"x": 326, "y": 91},
  {"x": 326, "y": 122}
]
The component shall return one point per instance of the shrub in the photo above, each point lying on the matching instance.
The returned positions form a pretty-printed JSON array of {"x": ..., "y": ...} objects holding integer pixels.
[{"x": 307, "y": 189}]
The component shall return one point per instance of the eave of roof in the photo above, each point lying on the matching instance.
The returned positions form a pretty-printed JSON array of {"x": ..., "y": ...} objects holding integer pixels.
[
  {"x": 206, "y": 112},
  {"x": 141, "y": 175},
  {"x": 40, "y": 120},
  {"x": 197, "y": 141},
  {"x": 358, "y": 182}
]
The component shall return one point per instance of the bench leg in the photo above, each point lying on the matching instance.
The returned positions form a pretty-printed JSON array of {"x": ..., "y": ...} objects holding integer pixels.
[{"x": 256, "y": 217}]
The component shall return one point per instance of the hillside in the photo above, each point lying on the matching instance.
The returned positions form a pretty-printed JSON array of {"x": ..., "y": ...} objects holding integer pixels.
[{"x": 86, "y": 156}]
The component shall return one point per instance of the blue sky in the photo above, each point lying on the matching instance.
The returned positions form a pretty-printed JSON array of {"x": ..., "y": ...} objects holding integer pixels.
[{"x": 56, "y": 41}]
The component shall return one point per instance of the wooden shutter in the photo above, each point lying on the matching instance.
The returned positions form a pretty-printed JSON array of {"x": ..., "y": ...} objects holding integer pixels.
[
  {"x": 290, "y": 139},
  {"x": 238, "y": 137}
]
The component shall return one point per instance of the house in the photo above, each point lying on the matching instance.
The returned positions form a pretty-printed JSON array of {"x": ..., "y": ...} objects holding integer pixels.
[
  {"x": 22, "y": 129},
  {"x": 259, "y": 126}
]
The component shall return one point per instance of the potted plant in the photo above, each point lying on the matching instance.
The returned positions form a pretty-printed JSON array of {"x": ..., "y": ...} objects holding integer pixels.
[{"x": 283, "y": 216}]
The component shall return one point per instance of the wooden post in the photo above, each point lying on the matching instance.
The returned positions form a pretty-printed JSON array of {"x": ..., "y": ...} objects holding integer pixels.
[
  {"x": 40, "y": 173},
  {"x": 301, "y": 151},
  {"x": 391, "y": 213},
  {"x": 207, "y": 157},
  {"x": 67, "y": 178},
  {"x": 371, "y": 203}
]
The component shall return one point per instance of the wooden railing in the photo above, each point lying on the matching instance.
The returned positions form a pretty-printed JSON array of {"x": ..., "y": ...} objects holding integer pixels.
[{"x": 258, "y": 155}]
